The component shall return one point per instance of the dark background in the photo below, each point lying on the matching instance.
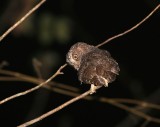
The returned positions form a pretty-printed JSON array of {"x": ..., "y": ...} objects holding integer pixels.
[{"x": 47, "y": 36}]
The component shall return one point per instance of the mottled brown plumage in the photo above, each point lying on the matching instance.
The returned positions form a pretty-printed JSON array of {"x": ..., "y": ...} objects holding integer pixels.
[{"x": 94, "y": 66}]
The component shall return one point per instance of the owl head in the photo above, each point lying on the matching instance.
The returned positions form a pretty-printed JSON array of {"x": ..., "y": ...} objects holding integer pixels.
[{"x": 76, "y": 53}]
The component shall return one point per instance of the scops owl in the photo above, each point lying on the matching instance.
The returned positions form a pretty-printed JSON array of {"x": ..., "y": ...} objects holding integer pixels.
[{"x": 95, "y": 66}]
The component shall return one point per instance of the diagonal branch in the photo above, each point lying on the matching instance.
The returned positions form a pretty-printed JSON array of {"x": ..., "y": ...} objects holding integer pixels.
[
  {"x": 131, "y": 110},
  {"x": 84, "y": 95},
  {"x": 21, "y": 20},
  {"x": 147, "y": 117},
  {"x": 31, "y": 79},
  {"x": 34, "y": 88},
  {"x": 113, "y": 101},
  {"x": 131, "y": 29},
  {"x": 55, "y": 110},
  {"x": 143, "y": 104},
  {"x": 65, "y": 91}
]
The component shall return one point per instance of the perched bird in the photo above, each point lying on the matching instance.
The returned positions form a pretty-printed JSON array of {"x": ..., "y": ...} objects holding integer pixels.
[{"x": 95, "y": 66}]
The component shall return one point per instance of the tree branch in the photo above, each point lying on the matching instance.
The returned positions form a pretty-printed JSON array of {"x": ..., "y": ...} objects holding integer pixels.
[
  {"x": 34, "y": 80},
  {"x": 131, "y": 29},
  {"x": 136, "y": 112},
  {"x": 34, "y": 88},
  {"x": 131, "y": 110},
  {"x": 55, "y": 110},
  {"x": 21, "y": 20},
  {"x": 113, "y": 101},
  {"x": 66, "y": 89},
  {"x": 84, "y": 95}
]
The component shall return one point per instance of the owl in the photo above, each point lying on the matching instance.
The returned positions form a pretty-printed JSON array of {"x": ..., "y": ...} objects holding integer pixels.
[{"x": 95, "y": 66}]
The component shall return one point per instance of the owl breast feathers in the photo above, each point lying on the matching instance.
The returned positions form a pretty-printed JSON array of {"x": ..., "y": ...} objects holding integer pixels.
[{"x": 94, "y": 66}]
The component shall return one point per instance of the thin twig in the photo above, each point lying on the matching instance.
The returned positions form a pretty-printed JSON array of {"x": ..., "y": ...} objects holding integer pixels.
[
  {"x": 72, "y": 91},
  {"x": 110, "y": 101},
  {"x": 21, "y": 77},
  {"x": 84, "y": 95},
  {"x": 8, "y": 79},
  {"x": 136, "y": 112},
  {"x": 66, "y": 90},
  {"x": 34, "y": 88},
  {"x": 143, "y": 104},
  {"x": 55, "y": 110},
  {"x": 21, "y": 20},
  {"x": 34, "y": 80},
  {"x": 101, "y": 99},
  {"x": 113, "y": 101},
  {"x": 132, "y": 28},
  {"x": 131, "y": 110}
]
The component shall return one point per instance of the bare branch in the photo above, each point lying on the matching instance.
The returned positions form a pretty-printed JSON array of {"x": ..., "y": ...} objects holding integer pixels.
[
  {"x": 132, "y": 28},
  {"x": 113, "y": 101},
  {"x": 84, "y": 95},
  {"x": 34, "y": 88},
  {"x": 8, "y": 79},
  {"x": 131, "y": 110},
  {"x": 27, "y": 78},
  {"x": 110, "y": 101},
  {"x": 21, "y": 20},
  {"x": 55, "y": 110},
  {"x": 143, "y": 104},
  {"x": 63, "y": 88}
]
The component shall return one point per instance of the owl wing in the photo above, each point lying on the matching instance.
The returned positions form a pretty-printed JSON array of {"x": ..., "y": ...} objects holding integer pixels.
[
  {"x": 98, "y": 68},
  {"x": 105, "y": 60},
  {"x": 86, "y": 72}
]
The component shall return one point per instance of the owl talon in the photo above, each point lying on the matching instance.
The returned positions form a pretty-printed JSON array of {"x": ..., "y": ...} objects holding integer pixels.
[
  {"x": 106, "y": 85},
  {"x": 93, "y": 89},
  {"x": 106, "y": 82}
]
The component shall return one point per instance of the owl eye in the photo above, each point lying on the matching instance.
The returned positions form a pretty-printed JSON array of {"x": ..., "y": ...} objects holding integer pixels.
[{"x": 75, "y": 56}]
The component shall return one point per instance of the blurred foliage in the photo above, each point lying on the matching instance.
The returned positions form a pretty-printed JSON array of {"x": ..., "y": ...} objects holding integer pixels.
[{"x": 53, "y": 28}]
